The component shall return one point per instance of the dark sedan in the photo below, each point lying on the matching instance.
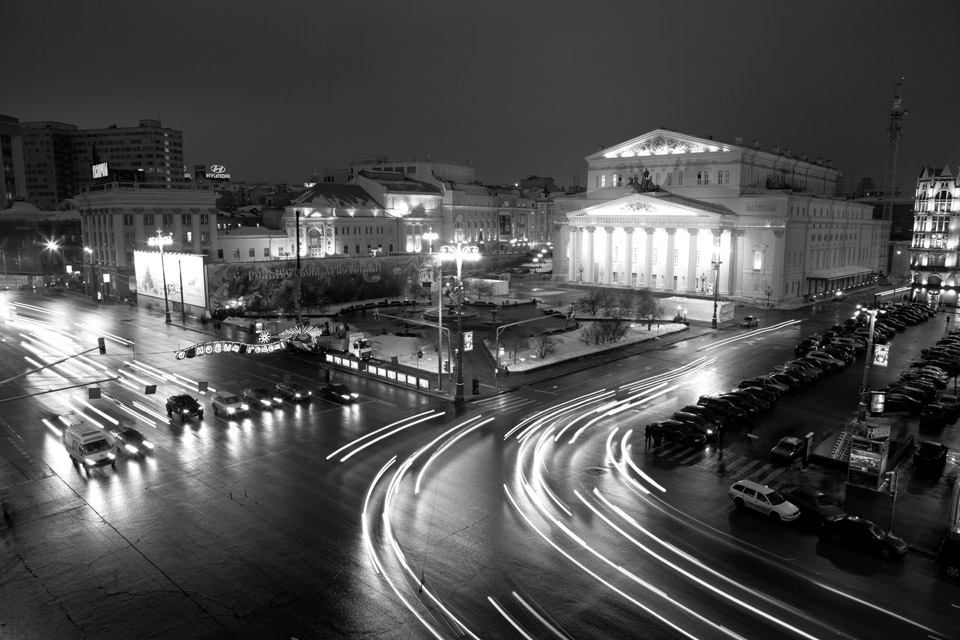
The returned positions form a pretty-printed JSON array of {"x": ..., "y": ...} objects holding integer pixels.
[
  {"x": 676, "y": 431},
  {"x": 184, "y": 406},
  {"x": 899, "y": 403},
  {"x": 339, "y": 393},
  {"x": 746, "y": 400},
  {"x": 930, "y": 457},
  {"x": 293, "y": 391},
  {"x": 710, "y": 415},
  {"x": 816, "y": 507},
  {"x": 260, "y": 398},
  {"x": 866, "y": 536},
  {"x": 726, "y": 407},
  {"x": 131, "y": 440},
  {"x": 788, "y": 450}
]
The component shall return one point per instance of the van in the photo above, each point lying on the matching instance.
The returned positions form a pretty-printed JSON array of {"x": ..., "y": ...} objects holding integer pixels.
[
  {"x": 87, "y": 445},
  {"x": 949, "y": 555}
]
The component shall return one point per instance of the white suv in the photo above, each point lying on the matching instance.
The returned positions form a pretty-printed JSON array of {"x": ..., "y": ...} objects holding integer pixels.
[
  {"x": 760, "y": 497},
  {"x": 228, "y": 404}
]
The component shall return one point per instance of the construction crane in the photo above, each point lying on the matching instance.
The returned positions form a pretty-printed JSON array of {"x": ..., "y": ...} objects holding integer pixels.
[{"x": 894, "y": 129}]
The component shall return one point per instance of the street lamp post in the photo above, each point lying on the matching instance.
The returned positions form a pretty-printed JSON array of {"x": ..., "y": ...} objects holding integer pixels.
[
  {"x": 867, "y": 360},
  {"x": 459, "y": 252},
  {"x": 160, "y": 241},
  {"x": 716, "y": 291}
]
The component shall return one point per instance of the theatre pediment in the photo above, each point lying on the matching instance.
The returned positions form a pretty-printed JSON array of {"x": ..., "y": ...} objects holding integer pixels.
[{"x": 661, "y": 142}]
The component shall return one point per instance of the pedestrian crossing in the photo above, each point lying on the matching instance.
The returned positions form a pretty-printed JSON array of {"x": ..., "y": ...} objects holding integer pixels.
[
  {"x": 505, "y": 404},
  {"x": 734, "y": 467}
]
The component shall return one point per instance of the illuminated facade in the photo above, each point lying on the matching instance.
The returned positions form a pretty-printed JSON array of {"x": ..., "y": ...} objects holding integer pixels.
[
  {"x": 935, "y": 247},
  {"x": 674, "y": 213}
]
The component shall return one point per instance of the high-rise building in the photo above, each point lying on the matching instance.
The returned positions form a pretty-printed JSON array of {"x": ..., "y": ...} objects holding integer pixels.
[
  {"x": 12, "y": 175},
  {"x": 61, "y": 159}
]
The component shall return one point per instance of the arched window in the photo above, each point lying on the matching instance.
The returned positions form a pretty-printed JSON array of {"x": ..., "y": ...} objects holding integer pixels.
[{"x": 942, "y": 201}]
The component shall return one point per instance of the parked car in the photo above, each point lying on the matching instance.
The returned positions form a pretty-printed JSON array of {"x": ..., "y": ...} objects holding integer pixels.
[
  {"x": 726, "y": 407},
  {"x": 701, "y": 424},
  {"x": 805, "y": 346},
  {"x": 865, "y": 536},
  {"x": 184, "y": 406},
  {"x": 789, "y": 379},
  {"x": 130, "y": 440},
  {"x": 339, "y": 393},
  {"x": 747, "y": 494},
  {"x": 762, "y": 393},
  {"x": 816, "y": 507},
  {"x": 951, "y": 403},
  {"x": 721, "y": 420},
  {"x": 838, "y": 352},
  {"x": 767, "y": 382},
  {"x": 788, "y": 450},
  {"x": 293, "y": 391},
  {"x": 260, "y": 398},
  {"x": 930, "y": 457},
  {"x": 750, "y": 321},
  {"x": 747, "y": 401},
  {"x": 934, "y": 416},
  {"x": 832, "y": 363},
  {"x": 228, "y": 404},
  {"x": 676, "y": 431},
  {"x": 804, "y": 375},
  {"x": 900, "y": 403}
]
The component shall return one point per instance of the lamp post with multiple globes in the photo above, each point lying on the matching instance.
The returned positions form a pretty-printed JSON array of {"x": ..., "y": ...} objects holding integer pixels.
[
  {"x": 459, "y": 252},
  {"x": 716, "y": 290},
  {"x": 160, "y": 241}
]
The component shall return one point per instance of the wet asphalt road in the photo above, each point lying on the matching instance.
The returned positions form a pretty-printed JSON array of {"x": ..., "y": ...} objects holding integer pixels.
[{"x": 251, "y": 529}]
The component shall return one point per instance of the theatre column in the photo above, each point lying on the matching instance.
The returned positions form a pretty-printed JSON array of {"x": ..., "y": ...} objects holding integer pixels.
[
  {"x": 776, "y": 278},
  {"x": 572, "y": 237},
  {"x": 608, "y": 256},
  {"x": 670, "y": 271},
  {"x": 715, "y": 254},
  {"x": 692, "y": 260},
  {"x": 737, "y": 237},
  {"x": 648, "y": 259},
  {"x": 588, "y": 255},
  {"x": 628, "y": 259}
]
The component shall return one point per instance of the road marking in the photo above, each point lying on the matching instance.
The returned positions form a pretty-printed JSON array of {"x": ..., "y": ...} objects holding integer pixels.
[
  {"x": 695, "y": 454},
  {"x": 746, "y": 468},
  {"x": 756, "y": 474}
]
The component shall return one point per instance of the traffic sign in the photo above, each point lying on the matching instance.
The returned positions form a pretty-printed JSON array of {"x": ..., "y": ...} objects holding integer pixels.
[{"x": 468, "y": 340}]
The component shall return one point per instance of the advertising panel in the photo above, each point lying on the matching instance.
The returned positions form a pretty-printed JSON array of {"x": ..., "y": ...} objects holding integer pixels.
[
  {"x": 150, "y": 275},
  {"x": 271, "y": 286}
]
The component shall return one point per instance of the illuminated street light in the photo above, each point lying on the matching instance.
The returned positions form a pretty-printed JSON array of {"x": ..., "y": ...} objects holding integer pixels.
[
  {"x": 160, "y": 241},
  {"x": 459, "y": 252}
]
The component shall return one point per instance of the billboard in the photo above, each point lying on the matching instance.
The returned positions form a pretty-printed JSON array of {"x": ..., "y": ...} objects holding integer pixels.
[
  {"x": 188, "y": 266},
  {"x": 271, "y": 286}
]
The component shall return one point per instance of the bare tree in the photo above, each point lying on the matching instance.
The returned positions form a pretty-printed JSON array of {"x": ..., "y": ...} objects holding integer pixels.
[
  {"x": 544, "y": 343},
  {"x": 515, "y": 339},
  {"x": 480, "y": 288},
  {"x": 595, "y": 301}
]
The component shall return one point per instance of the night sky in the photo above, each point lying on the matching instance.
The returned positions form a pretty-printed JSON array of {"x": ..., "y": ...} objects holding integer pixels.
[{"x": 274, "y": 90}]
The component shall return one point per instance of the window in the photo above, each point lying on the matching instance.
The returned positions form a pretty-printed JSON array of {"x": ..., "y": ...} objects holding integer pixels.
[
  {"x": 656, "y": 258},
  {"x": 266, "y": 252},
  {"x": 346, "y": 249},
  {"x": 358, "y": 249},
  {"x": 129, "y": 238},
  {"x": 699, "y": 178},
  {"x": 236, "y": 253},
  {"x": 603, "y": 181},
  {"x": 168, "y": 219},
  {"x": 186, "y": 218},
  {"x": 680, "y": 178},
  {"x": 128, "y": 219},
  {"x": 148, "y": 219},
  {"x": 251, "y": 252},
  {"x": 596, "y": 182},
  {"x": 758, "y": 260},
  {"x": 203, "y": 218},
  {"x": 942, "y": 201},
  {"x": 676, "y": 257},
  {"x": 204, "y": 238},
  {"x": 219, "y": 254}
]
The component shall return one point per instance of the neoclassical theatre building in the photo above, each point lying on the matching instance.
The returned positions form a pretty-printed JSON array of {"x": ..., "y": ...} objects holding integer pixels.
[{"x": 675, "y": 214}]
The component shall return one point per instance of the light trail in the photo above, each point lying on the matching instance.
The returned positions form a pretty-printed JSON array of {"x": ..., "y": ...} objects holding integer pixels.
[
  {"x": 430, "y": 415},
  {"x": 748, "y": 336}
]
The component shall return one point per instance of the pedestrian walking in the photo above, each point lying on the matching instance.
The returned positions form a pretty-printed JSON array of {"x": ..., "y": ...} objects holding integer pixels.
[{"x": 648, "y": 436}]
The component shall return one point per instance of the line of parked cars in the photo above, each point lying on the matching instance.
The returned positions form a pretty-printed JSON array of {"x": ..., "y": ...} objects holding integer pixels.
[{"x": 818, "y": 511}]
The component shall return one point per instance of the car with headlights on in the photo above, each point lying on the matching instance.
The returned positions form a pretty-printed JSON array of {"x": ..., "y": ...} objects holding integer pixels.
[
  {"x": 184, "y": 405},
  {"x": 261, "y": 398},
  {"x": 676, "y": 431},
  {"x": 750, "y": 321},
  {"x": 701, "y": 424},
  {"x": 293, "y": 391},
  {"x": 816, "y": 507},
  {"x": 865, "y": 536},
  {"x": 130, "y": 440},
  {"x": 339, "y": 393},
  {"x": 228, "y": 404},
  {"x": 748, "y": 494}
]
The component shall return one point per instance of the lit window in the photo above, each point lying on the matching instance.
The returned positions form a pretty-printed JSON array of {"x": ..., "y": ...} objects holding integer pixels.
[
  {"x": 603, "y": 181},
  {"x": 757, "y": 260}
]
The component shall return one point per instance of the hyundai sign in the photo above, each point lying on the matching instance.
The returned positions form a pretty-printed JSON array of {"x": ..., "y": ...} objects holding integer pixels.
[{"x": 217, "y": 172}]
